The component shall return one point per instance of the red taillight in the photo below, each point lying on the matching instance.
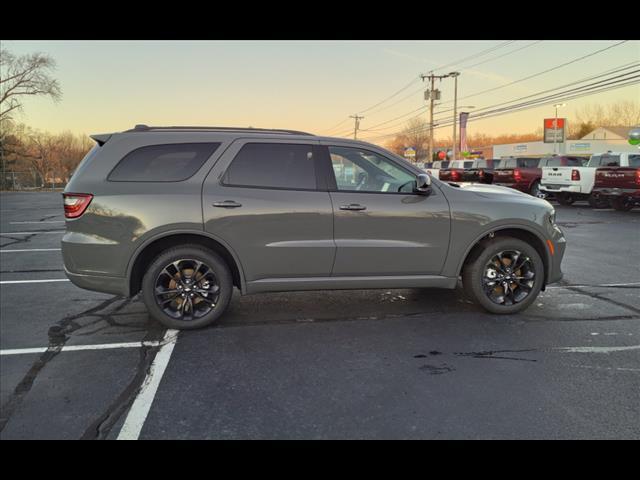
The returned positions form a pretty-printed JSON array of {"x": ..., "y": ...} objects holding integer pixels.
[
  {"x": 75, "y": 204},
  {"x": 455, "y": 175},
  {"x": 517, "y": 175},
  {"x": 575, "y": 175},
  {"x": 638, "y": 176}
]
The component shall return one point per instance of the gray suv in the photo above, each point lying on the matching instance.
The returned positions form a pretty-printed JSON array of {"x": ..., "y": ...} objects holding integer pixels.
[{"x": 184, "y": 214}]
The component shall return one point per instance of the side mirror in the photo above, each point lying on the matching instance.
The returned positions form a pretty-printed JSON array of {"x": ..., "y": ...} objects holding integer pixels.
[{"x": 423, "y": 184}]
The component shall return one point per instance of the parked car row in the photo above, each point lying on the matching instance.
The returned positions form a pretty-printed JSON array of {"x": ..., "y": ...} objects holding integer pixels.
[{"x": 611, "y": 178}]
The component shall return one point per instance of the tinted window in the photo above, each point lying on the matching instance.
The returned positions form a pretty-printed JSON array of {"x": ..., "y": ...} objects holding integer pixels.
[
  {"x": 529, "y": 162},
  {"x": 162, "y": 163},
  {"x": 634, "y": 161},
  {"x": 604, "y": 161},
  {"x": 365, "y": 171},
  {"x": 562, "y": 162},
  {"x": 274, "y": 165}
]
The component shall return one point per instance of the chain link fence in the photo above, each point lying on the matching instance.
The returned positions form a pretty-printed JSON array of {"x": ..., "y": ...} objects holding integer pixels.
[{"x": 28, "y": 180}]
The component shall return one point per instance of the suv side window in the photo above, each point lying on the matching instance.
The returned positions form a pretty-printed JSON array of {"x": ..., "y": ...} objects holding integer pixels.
[
  {"x": 162, "y": 163},
  {"x": 364, "y": 171},
  {"x": 273, "y": 165}
]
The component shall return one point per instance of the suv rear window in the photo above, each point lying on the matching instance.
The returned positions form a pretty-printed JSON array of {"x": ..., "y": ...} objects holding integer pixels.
[
  {"x": 273, "y": 165},
  {"x": 162, "y": 163}
]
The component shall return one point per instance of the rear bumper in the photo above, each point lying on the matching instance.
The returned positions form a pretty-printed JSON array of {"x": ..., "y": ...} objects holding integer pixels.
[
  {"x": 561, "y": 188},
  {"x": 617, "y": 192},
  {"x": 99, "y": 283}
]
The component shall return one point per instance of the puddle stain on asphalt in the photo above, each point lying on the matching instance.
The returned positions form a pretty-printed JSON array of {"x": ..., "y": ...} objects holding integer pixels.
[{"x": 436, "y": 370}]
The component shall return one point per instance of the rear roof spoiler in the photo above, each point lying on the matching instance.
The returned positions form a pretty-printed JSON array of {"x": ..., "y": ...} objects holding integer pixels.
[{"x": 101, "y": 138}]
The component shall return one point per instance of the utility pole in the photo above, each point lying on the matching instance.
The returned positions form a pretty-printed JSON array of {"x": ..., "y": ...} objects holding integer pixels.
[
  {"x": 455, "y": 114},
  {"x": 432, "y": 94},
  {"x": 356, "y": 126}
]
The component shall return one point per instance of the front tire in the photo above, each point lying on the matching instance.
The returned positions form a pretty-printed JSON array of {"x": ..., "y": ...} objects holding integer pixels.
[
  {"x": 187, "y": 287},
  {"x": 506, "y": 277}
]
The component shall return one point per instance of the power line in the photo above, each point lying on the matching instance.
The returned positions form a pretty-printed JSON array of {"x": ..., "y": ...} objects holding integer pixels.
[
  {"x": 544, "y": 71},
  {"x": 527, "y": 77},
  {"x": 503, "y": 55},
  {"x": 573, "y": 93},
  {"x": 484, "y": 52}
]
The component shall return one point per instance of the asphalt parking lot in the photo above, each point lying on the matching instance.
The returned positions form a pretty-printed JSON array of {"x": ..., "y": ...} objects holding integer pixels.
[{"x": 349, "y": 364}]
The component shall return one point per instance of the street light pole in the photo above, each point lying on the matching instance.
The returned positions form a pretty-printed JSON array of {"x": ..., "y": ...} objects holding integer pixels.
[
  {"x": 455, "y": 114},
  {"x": 555, "y": 126}
]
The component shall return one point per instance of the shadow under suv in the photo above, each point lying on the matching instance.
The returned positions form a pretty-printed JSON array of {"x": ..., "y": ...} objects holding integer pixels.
[{"x": 184, "y": 214}]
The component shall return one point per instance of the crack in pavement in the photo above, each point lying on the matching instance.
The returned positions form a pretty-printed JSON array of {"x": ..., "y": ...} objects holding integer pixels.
[
  {"x": 102, "y": 426},
  {"x": 600, "y": 297},
  {"x": 60, "y": 333},
  {"x": 58, "y": 336}
]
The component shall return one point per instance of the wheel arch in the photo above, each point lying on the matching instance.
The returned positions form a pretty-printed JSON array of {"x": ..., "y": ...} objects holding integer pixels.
[
  {"x": 520, "y": 232},
  {"x": 152, "y": 248}
]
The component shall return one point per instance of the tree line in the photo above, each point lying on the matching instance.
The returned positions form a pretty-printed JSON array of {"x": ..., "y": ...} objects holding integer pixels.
[{"x": 51, "y": 158}]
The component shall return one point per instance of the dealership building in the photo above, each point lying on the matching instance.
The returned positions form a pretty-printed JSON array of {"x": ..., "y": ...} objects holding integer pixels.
[{"x": 600, "y": 140}]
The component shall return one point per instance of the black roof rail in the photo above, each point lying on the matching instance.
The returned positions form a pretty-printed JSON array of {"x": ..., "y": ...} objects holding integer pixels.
[{"x": 147, "y": 128}]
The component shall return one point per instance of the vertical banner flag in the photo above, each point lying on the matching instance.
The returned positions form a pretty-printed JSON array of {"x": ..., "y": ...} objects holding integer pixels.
[{"x": 463, "y": 131}]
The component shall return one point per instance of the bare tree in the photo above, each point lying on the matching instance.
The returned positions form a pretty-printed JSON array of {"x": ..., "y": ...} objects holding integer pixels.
[
  {"x": 624, "y": 113},
  {"x": 26, "y": 75},
  {"x": 415, "y": 134}
]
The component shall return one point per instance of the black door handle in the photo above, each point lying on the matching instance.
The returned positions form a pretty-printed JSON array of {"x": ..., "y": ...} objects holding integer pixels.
[
  {"x": 227, "y": 204},
  {"x": 353, "y": 207}
]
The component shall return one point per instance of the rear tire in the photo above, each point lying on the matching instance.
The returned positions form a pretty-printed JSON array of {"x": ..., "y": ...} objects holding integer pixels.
[
  {"x": 195, "y": 286},
  {"x": 565, "y": 198},
  {"x": 622, "y": 204},
  {"x": 597, "y": 202},
  {"x": 535, "y": 189},
  {"x": 478, "y": 274}
]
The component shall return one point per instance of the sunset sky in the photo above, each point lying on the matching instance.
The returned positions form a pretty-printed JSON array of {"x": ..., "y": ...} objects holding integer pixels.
[{"x": 304, "y": 85}]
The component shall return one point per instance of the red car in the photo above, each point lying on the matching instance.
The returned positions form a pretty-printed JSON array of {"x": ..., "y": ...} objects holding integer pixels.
[
  {"x": 619, "y": 185},
  {"x": 523, "y": 174}
]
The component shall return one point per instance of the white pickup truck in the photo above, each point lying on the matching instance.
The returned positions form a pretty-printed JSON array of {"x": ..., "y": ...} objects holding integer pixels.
[{"x": 573, "y": 182}]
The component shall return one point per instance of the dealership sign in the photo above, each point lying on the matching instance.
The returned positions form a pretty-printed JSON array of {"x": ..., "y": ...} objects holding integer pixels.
[
  {"x": 554, "y": 130},
  {"x": 410, "y": 153}
]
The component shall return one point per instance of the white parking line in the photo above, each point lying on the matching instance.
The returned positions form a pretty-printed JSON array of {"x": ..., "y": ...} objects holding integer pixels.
[
  {"x": 142, "y": 404},
  {"x": 632, "y": 284},
  {"x": 31, "y": 250},
  {"x": 597, "y": 349},
  {"x": 32, "y": 233},
  {"x": 76, "y": 348},
  {"x": 7, "y": 282},
  {"x": 39, "y": 222}
]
